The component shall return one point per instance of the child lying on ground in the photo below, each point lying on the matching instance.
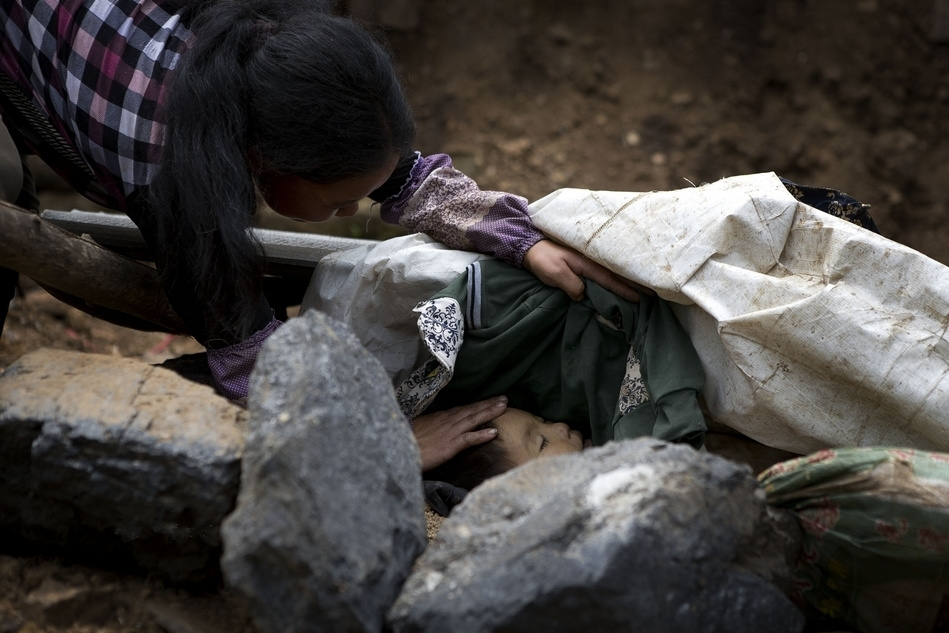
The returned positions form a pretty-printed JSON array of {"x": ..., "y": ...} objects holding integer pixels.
[
  {"x": 607, "y": 367},
  {"x": 610, "y": 368}
]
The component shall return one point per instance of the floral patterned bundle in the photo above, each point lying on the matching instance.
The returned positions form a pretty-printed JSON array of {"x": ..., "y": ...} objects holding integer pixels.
[{"x": 876, "y": 536}]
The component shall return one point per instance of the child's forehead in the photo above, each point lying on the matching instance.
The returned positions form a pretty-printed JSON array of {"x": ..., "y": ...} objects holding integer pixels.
[
  {"x": 516, "y": 427},
  {"x": 517, "y": 417}
]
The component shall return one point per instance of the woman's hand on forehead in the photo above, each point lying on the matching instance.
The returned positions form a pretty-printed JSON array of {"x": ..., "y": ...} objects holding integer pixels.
[{"x": 444, "y": 434}]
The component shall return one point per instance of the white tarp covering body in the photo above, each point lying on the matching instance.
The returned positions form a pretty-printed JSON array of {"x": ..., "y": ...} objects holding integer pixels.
[{"x": 812, "y": 331}]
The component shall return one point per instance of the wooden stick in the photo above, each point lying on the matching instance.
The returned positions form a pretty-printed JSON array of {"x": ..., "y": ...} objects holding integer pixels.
[{"x": 58, "y": 259}]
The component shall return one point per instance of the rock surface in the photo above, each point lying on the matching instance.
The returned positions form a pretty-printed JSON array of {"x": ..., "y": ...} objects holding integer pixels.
[
  {"x": 330, "y": 513},
  {"x": 638, "y": 535},
  {"x": 118, "y": 459}
]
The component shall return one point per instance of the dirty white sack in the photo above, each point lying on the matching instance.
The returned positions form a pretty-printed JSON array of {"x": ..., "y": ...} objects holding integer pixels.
[
  {"x": 813, "y": 332},
  {"x": 373, "y": 289}
]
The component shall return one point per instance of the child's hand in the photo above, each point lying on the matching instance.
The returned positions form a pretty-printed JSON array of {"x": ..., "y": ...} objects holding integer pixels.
[
  {"x": 562, "y": 267},
  {"x": 443, "y": 435}
]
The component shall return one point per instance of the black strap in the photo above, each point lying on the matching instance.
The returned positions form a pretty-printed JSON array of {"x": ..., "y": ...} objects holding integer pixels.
[{"x": 39, "y": 135}]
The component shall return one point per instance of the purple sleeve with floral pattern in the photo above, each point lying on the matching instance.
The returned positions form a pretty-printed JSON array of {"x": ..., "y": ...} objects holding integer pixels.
[{"x": 442, "y": 202}]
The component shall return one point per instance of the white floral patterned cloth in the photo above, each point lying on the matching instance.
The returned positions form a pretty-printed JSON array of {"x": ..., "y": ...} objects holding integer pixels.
[{"x": 442, "y": 329}]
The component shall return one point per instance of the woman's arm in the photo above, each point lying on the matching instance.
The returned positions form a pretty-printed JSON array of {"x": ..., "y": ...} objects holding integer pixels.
[
  {"x": 427, "y": 194},
  {"x": 437, "y": 199}
]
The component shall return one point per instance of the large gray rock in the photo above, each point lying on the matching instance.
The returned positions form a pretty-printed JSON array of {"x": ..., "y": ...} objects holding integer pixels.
[
  {"x": 115, "y": 458},
  {"x": 330, "y": 514},
  {"x": 633, "y": 536}
]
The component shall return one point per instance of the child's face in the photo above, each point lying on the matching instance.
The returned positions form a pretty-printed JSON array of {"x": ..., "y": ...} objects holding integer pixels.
[{"x": 526, "y": 436}]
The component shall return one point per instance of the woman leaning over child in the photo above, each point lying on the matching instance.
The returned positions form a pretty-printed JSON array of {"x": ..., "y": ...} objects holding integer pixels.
[{"x": 180, "y": 113}]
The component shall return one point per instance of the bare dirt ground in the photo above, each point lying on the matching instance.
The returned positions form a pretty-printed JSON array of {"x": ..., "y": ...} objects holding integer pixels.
[{"x": 634, "y": 95}]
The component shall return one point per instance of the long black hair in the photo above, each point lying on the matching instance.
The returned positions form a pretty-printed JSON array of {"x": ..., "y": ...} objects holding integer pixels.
[{"x": 285, "y": 86}]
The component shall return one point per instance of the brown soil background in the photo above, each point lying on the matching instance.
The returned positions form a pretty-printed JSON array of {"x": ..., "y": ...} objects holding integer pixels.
[{"x": 535, "y": 95}]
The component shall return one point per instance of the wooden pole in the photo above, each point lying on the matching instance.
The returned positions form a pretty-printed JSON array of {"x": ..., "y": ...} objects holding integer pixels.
[{"x": 65, "y": 262}]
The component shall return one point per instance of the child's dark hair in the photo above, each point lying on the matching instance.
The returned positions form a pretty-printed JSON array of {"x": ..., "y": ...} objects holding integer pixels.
[
  {"x": 474, "y": 465},
  {"x": 285, "y": 86}
]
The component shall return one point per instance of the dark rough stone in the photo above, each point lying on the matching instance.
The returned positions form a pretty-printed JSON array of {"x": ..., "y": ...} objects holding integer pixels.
[
  {"x": 330, "y": 515},
  {"x": 634, "y": 536},
  {"x": 119, "y": 460}
]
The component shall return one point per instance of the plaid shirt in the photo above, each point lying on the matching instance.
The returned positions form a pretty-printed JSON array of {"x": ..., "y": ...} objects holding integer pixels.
[{"x": 97, "y": 70}]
